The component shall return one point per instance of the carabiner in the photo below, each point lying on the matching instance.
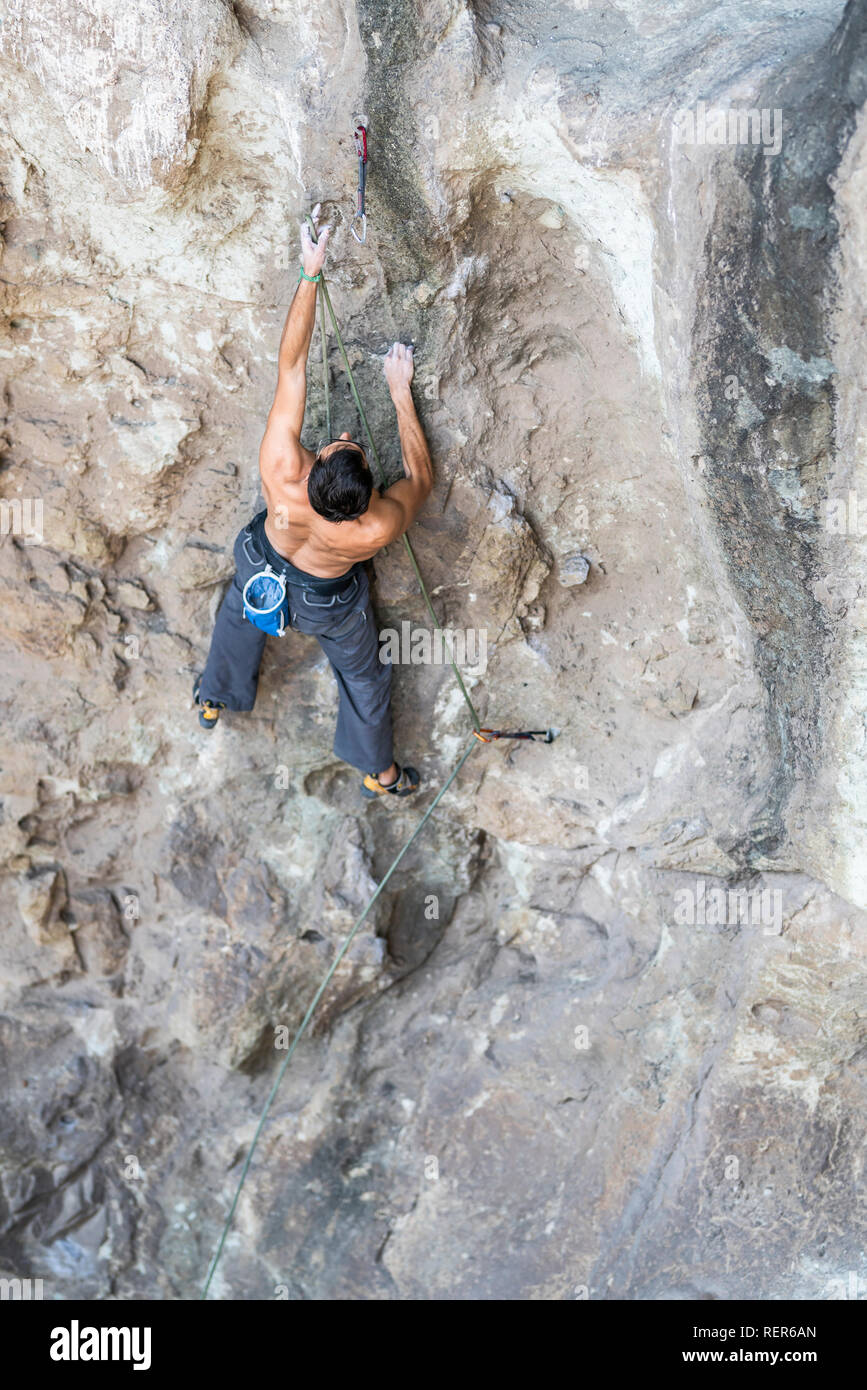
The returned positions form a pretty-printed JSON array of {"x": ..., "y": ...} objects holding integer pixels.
[{"x": 360, "y": 134}]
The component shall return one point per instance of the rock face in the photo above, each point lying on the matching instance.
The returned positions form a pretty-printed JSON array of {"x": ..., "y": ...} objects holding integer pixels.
[
  {"x": 603, "y": 1034},
  {"x": 130, "y": 84}
]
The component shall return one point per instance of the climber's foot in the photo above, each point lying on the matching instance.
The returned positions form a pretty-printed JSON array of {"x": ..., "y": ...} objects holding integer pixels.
[
  {"x": 405, "y": 783},
  {"x": 209, "y": 710}
]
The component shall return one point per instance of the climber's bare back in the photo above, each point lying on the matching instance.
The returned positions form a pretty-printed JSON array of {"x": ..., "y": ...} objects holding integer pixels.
[{"x": 324, "y": 548}]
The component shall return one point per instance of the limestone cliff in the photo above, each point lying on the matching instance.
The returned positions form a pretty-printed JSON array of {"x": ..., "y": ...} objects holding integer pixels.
[{"x": 566, "y": 1078}]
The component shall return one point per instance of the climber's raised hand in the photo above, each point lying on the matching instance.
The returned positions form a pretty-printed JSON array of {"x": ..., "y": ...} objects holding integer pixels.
[
  {"x": 398, "y": 367},
  {"x": 313, "y": 252}
]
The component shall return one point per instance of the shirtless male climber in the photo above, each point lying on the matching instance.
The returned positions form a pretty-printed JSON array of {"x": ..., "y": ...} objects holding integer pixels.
[{"x": 323, "y": 519}]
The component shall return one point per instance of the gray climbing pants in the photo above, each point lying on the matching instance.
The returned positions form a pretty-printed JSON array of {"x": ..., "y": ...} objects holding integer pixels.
[{"x": 339, "y": 614}]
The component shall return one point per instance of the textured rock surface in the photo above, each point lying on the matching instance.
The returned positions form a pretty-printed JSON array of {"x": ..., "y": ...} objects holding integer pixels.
[{"x": 532, "y": 1077}]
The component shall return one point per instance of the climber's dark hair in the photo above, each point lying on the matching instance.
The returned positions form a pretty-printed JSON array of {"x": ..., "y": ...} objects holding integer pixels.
[{"x": 339, "y": 485}]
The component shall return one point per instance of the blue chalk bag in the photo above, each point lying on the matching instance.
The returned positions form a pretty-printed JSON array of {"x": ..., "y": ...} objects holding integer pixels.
[{"x": 266, "y": 603}]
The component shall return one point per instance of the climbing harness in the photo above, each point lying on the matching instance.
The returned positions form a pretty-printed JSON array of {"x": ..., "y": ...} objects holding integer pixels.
[
  {"x": 360, "y": 217},
  {"x": 478, "y": 735}
]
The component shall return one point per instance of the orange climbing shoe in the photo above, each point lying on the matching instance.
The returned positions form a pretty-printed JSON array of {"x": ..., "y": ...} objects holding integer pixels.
[
  {"x": 406, "y": 782},
  {"x": 209, "y": 710}
]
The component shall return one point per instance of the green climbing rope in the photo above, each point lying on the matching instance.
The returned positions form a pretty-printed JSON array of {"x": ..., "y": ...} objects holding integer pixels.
[
  {"x": 474, "y": 743},
  {"x": 325, "y": 302},
  {"x": 323, "y": 333}
]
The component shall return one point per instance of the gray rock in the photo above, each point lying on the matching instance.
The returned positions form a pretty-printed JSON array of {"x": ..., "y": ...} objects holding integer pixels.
[
  {"x": 573, "y": 569},
  {"x": 543, "y": 1069}
]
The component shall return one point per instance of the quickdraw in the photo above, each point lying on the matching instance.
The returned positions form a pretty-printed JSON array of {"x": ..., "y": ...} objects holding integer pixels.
[
  {"x": 488, "y": 735},
  {"x": 360, "y": 134}
]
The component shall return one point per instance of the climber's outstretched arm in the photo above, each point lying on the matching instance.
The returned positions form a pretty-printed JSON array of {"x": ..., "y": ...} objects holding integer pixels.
[
  {"x": 402, "y": 501},
  {"x": 281, "y": 446}
]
